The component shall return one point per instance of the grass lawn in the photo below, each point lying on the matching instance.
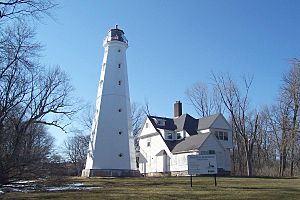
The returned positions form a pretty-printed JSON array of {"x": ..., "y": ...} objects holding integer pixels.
[{"x": 171, "y": 188}]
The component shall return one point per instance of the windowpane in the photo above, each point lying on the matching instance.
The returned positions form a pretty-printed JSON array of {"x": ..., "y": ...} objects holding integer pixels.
[
  {"x": 225, "y": 136},
  {"x": 217, "y": 135},
  {"x": 211, "y": 152},
  {"x": 221, "y": 135}
]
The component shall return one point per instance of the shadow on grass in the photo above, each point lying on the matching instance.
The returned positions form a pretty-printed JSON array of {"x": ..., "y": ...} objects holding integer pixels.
[{"x": 279, "y": 189}]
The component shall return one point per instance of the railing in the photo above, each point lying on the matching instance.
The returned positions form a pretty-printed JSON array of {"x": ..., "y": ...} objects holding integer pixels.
[{"x": 115, "y": 38}]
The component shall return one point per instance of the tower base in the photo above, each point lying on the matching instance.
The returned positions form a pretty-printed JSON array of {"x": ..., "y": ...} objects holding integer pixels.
[{"x": 110, "y": 173}]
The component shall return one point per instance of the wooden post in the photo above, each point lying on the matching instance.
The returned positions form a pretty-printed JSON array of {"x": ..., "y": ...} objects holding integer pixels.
[
  {"x": 191, "y": 181},
  {"x": 215, "y": 180}
]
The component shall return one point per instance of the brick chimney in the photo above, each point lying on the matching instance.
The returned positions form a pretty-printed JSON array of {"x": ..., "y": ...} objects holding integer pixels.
[{"x": 177, "y": 109}]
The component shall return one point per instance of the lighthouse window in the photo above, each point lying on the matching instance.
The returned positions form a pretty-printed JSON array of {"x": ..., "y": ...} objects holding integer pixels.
[
  {"x": 120, "y": 110},
  {"x": 103, "y": 67}
]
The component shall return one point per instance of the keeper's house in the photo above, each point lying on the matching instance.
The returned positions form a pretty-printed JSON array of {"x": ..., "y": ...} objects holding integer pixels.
[{"x": 165, "y": 143}]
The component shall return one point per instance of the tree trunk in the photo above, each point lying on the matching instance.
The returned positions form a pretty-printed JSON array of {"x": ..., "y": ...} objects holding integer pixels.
[
  {"x": 249, "y": 165},
  {"x": 282, "y": 162},
  {"x": 292, "y": 161}
]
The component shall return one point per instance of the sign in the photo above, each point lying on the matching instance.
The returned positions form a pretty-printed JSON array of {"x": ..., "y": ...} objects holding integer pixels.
[{"x": 202, "y": 164}]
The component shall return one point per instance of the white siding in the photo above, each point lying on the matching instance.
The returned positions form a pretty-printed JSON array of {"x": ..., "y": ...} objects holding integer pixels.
[
  {"x": 148, "y": 128},
  {"x": 154, "y": 159},
  {"x": 212, "y": 144},
  {"x": 179, "y": 162}
]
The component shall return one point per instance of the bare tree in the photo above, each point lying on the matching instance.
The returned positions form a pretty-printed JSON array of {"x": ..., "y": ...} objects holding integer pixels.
[
  {"x": 137, "y": 117},
  {"x": 244, "y": 122},
  {"x": 277, "y": 117},
  {"x": 30, "y": 96},
  {"x": 204, "y": 102},
  {"x": 20, "y": 9},
  {"x": 87, "y": 117},
  {"x": 76, "y": 148},
  {"x": 290, "y": 95},
  {"x": 23, "y": 152},
  {"x": 146, "y": 108}
]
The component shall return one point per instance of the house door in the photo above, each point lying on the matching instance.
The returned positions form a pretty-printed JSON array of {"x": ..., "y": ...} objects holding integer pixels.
[{"x": 166, "y": 162}]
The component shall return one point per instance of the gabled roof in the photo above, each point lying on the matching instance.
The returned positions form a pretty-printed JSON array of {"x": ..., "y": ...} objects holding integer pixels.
[
  {"x": 190, "y": 125},
  {"x": 169, "y": 123},
  {"x": 207, "y": 122},
  {"x": 184, "y": 122},
  {"x": 190, "y": 143}
]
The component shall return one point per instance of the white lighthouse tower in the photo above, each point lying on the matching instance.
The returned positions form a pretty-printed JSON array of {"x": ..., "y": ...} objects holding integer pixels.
[{"x": 111, "y": 149}]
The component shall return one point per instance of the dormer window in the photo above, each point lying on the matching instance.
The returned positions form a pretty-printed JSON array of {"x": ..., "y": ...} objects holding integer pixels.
[
  {"x": 160, "y": 122},
  {"x": 170, "y": 136},
  {"x": 178, "y": 136}
]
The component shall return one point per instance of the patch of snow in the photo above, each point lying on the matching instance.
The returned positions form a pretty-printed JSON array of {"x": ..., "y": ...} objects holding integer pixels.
[
  {"x": 76, "y": 185},
  {"x": 25, "y": 182},
  {"x": 30, "y": 186}
]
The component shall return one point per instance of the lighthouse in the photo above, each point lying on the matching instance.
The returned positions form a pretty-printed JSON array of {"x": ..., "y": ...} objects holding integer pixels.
[{"x": 111, "y": 150}]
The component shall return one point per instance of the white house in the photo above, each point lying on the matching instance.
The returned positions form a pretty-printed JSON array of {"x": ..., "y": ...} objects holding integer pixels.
[{"x": 165, "y": 143}]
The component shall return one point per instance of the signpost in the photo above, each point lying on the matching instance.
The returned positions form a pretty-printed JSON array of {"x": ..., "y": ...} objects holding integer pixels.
[{"x": 202, "y": 164}]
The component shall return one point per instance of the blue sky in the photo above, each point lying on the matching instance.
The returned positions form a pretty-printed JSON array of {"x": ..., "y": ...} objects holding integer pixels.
[{"x": 174, "y": 44}]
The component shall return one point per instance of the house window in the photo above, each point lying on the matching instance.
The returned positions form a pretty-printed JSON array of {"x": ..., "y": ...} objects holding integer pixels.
[
  {"x": 149, "y": 142},
  {"x": 120, "y": 132},
  {"x": 160, "y": 122},
  {"x": 170, "y": 136},
  {"x": 208, "y": 152},
  {"x": 120, "y": 110},
  {"x": 119, "y": 82},
  {"x": 119, "y": 50},
  {"x": 226, "y": 136},
  {"x": 217, "y": 134},
  {"x": 211, "y": 152},
  {"x": 120, "y": 154},
  {"x": 221, "y": 135},
  {"x": 203, "y": 153},
  {"x": 119, "y": 66},
  {"x": 178, "y": 136}
]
